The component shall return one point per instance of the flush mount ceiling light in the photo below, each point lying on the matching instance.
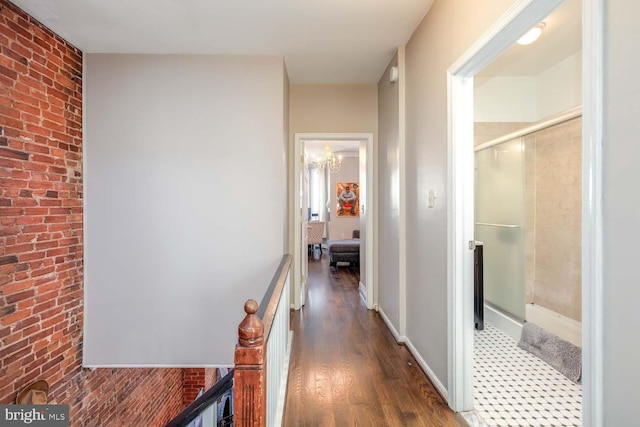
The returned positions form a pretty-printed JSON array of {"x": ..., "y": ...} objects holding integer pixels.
[{"x": 531, "y": 35}]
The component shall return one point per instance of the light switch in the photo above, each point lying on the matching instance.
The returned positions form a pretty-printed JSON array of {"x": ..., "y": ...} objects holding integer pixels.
[{"x": 432, "y": 198}]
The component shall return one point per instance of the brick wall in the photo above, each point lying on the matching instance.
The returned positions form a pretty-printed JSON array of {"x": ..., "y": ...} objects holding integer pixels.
[
  {"x": 195, "y": 379},
  {"x": 41, "y": 262}
]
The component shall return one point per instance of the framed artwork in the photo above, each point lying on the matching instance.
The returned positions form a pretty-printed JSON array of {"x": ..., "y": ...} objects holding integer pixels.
[{"x": 348, "y": 199}]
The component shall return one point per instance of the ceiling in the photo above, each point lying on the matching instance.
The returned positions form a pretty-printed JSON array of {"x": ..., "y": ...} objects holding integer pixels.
[
  {"x": 322, "y": 41},
  {"x": 561, "y": 38}
]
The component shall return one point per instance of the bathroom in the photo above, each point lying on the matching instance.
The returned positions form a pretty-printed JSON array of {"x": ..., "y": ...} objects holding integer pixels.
[{"x": 528, "y": 143}]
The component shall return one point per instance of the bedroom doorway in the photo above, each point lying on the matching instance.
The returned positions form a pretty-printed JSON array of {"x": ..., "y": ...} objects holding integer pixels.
[{"x": 305, "y": 147}]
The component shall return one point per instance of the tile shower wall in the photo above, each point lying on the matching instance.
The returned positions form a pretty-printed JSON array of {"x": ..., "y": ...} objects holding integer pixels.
[{"x": 558, "y": 216}]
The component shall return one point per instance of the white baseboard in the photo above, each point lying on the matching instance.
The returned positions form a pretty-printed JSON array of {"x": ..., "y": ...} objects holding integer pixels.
[
  {"x": 363, "y": 291},
  {"x": 559, "y": 325},
  {"x": 282, "y": 393},
  {"x": 427, "y": 370},
  {"x": 504, "y": 323},
  {"x": 399, "y": 338}
]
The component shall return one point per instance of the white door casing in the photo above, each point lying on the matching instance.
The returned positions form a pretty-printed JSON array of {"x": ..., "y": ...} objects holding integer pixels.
[
  {"x": 299, "y": 214},
  {"x": 304, "y": 230}
]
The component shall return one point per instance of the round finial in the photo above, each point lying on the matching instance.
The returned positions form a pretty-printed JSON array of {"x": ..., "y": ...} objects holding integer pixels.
[
  {"x": 251, "y": 329},
  {"x": 251, "y": 306}
]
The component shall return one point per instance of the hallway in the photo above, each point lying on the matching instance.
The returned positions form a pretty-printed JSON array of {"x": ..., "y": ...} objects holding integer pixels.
[{"x": 346, "y": 369}]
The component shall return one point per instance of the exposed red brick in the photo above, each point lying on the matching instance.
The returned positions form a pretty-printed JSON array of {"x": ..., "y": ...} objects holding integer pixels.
[{"x": 41, "y": 226}]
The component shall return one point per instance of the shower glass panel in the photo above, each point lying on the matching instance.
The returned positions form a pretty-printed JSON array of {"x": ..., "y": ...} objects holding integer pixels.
[{"x": 500, "y": 224}]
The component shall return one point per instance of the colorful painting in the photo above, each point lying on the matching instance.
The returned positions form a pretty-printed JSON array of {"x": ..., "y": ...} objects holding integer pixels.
[{"x": 348, "y": 197}]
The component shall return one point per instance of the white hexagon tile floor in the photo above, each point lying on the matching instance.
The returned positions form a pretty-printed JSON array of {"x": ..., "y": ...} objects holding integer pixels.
[{"x": 514, "y": 388}]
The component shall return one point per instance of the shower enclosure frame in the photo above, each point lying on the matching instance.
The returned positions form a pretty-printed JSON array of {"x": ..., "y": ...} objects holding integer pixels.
[{"x": 523, "y": 15}]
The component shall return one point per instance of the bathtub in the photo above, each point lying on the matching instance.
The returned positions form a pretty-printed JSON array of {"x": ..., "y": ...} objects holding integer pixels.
[{"x": 562, "y": 326}]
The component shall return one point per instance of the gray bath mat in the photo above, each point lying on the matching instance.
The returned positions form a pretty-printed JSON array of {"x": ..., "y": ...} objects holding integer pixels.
[{"x": 561, "y": 354}]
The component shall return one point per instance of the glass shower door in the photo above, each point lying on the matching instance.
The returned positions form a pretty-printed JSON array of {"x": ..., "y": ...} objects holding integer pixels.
[{"x": 500, "y": 224}]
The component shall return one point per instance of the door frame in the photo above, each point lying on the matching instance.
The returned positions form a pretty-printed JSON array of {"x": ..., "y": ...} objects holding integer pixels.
[
  {"x": 520, "y": 17},
  {"x": 298, "y": 212}
]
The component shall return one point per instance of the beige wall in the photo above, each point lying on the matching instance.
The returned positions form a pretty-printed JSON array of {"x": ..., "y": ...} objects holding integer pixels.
[
  {"x": 621, "y": 152},
  {"x": 389, "y": 196},
  {"x": 446, "y": 32},
  {"x": 333, "y": 108}
]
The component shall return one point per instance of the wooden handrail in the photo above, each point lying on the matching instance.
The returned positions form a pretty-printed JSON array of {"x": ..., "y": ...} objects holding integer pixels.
[
  {"x": 269, "y": 304},
  {"x": 250, "y": 389}
]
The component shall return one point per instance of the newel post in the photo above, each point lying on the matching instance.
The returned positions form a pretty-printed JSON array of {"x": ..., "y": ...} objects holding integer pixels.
[{"x": 250, "y": 377}]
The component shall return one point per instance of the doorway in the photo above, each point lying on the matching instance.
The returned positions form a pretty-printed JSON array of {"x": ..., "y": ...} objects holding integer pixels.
[
  {"x": 523, "y": 15},
  {"x": 366, "y": 211}
]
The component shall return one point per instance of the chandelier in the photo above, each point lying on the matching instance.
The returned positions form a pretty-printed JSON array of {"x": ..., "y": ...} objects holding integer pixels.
[{"x": 329, "y": 160}]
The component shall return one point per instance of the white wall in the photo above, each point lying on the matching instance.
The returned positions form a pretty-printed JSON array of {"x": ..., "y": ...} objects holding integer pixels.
[
  {"x": 530, "y": 98},
  {"x": 621, "y": 293},
  {"x": 185, "y": 188},
  {"x": 449, "y": 29},
  {"x": 505, "y": 99},
  {"x": 389, "y": 197},
  {"x": 559, "y": 88}
]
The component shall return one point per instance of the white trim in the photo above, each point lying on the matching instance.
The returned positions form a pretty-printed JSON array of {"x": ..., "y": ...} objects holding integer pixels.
[
  {"x": 399, "y": 338},
  {"x": 460, "y": 258},
  {"x": 282, "y": 393},
  {"x": 592, "y": 271},
  {"x": 362, "y": 289},
  {"x": 520, "y": 17},
  {"x": 427, "y": 370},
  {"x": 502, "y": 34},
  {"x": 299, "y": 139},
  {"x": 542, "y": 124},
  {"x": 402, "y": 179},
  {"x": 371, "y": 245}
]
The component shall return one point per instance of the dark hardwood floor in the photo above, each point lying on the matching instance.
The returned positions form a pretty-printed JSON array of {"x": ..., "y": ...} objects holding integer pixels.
[{"x": 346, "y": 369}]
